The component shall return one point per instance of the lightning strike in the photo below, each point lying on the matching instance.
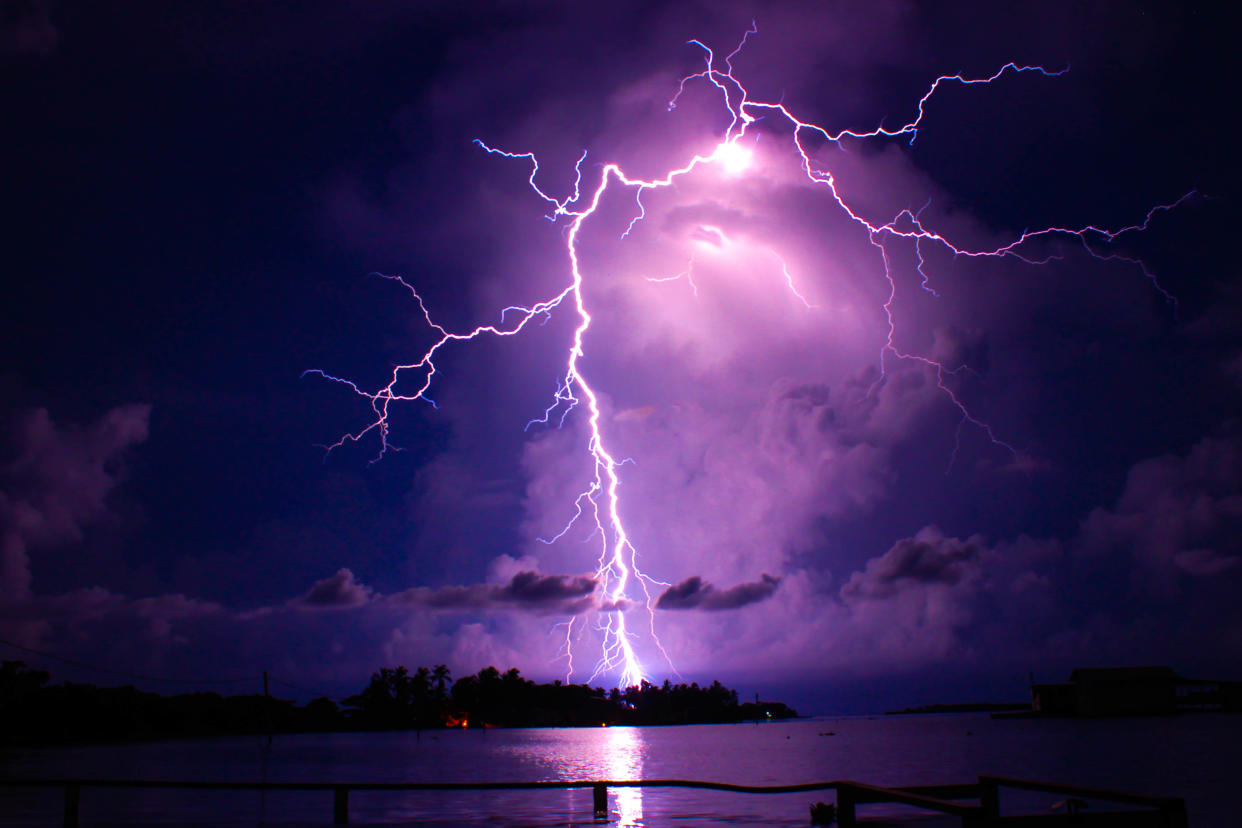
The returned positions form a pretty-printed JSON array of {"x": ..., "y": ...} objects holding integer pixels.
[
  {"x": 733, "y": 157},
  {"x": 618, "y": 574}
]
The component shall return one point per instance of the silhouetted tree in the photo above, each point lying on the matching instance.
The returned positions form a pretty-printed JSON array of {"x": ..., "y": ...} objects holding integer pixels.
[{"x": 441, "y": 676}]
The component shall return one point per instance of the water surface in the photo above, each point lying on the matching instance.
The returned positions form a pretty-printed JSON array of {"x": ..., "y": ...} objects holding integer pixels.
[{"x": 1197, "y": 757}]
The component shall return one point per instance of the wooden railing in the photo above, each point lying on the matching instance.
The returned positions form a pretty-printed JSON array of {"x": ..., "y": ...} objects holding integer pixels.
[
  {"x": 1161, "y": 811},
  {"x": 1156, "y": 812}
]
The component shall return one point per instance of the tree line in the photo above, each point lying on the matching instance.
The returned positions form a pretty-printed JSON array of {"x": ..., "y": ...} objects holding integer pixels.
[{"x": 33, "y": 711}]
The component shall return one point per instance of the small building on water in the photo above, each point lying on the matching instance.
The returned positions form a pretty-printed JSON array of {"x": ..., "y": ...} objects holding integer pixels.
[{"x": 1133, "y": 691}]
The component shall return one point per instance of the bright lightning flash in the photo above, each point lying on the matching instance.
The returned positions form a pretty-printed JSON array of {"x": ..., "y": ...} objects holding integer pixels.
[
  {"x": 733, "y": 157},
  {"x": 618, "y": 574}
]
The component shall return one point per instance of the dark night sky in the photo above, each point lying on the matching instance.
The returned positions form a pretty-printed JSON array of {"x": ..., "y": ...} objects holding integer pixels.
[{"x": 194, "y": 197}]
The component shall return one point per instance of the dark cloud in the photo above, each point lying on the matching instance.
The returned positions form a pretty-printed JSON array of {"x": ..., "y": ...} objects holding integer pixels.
[
  {"x": 338, "y": 591},
  {"x": 695, "y": 593},
  {"x": 55, "y": 481},
  {"x": 533, "y": 588},
  {"x": 1177, "y": 515},
  {"x": 927, "y": 558},
  {"x": 766, "y": 436},
  {"x": 1149, "y": 579},
  {"x": 526, "y": 591},
  {"x": 931, "y": 596},
  {"x": 98, "y": 626}
]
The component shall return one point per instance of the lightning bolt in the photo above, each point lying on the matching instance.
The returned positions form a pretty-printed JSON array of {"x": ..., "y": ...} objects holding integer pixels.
[{"x": 618, "y": 573}]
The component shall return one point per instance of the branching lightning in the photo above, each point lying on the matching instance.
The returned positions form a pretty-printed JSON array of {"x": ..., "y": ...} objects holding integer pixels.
[{"x": 618, "y": 574}]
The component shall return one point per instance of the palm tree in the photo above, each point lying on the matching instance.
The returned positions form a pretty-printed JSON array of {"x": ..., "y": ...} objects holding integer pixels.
[{"x": 441, "y": 676}]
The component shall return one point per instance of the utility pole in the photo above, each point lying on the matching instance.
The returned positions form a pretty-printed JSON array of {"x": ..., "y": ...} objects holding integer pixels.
[{"x": 267, "y": 708}]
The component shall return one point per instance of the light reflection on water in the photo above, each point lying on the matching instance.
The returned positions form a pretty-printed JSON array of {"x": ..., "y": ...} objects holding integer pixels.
[
  {"x": 624, "y": 752},
  {"x": 1191, "y": 756},
  {"x": 614, "y": 753}
]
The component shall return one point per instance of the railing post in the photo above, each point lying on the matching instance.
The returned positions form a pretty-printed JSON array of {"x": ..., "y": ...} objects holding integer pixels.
[
  {"x": 340, "y": 805},
  {"x": 600, "y": 795},
  {"x": 73, "y": 795},
  {"x": 845, "y": 806},
  {"x": 989, "y": 798}
]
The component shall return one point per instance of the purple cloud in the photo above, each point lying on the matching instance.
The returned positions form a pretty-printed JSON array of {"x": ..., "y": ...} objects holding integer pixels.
[
  {"x": 765, "y": 435},
  {"x": 529, "y": 591},
  {"x": 338, "y": 591},
  {"x": 57, "y": 483},
  {"x": 929, "y": 558},
  {"x": 695, "y": 593},
  {"x": 1177, "y": 515}
]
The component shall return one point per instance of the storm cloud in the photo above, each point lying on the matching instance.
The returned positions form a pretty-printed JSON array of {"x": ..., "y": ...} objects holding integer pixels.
[
  {"x": 55, "y": 481},
  {"x": 1065, "y": 488},
  {"x": 529, "y": 591},
  {"x": 927, "y": 559},
  {"x": 695, "y": 593},
  {"x": 338, "y": 591}
]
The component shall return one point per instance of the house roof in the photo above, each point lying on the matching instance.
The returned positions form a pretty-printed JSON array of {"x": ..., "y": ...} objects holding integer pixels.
[{"x": 1094, "y": 674}]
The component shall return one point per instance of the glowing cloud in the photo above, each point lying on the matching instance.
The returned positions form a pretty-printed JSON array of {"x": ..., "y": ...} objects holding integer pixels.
[
  {"x": 621, "y": 588},
  {"x": 734, "y": 157}
]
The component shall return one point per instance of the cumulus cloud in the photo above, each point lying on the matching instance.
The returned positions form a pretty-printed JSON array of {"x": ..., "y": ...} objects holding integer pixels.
[
  {"x": 338, "y": 591},
  {"x": 912, "y": 603},
  {"x": 925, "y": 560},
  {"x": 695, "y": 593},
  {"x": 524, "y": 589},
  {"x": 927, "y": 597},
  {"x": 753, "y": 421},
  {"x": 1101, "y": 594},
  {"x": 106, "y": 626},
  {"x": 1176, "y": 515},
  {"x": 529, "y": 591},
  {"x": 55, "y": 481}
]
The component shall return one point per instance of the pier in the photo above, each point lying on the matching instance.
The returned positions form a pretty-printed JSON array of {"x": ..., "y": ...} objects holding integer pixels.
[{"x": 983, "y": 811}]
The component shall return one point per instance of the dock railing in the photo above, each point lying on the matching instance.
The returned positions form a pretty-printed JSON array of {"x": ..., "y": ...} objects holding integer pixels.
[
  {"x": 1163, "y": 811},
  {"x": 1155, "y": 811}
]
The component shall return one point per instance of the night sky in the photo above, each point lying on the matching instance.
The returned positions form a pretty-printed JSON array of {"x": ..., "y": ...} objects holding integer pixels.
[{"x": 197, "y": 198}]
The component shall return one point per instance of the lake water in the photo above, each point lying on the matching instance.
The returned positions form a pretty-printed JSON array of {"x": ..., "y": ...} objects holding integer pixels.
[{"x": 1197, "y": 757}]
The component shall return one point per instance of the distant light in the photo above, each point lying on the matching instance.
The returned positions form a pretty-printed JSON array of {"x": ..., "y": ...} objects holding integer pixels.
[{"x": 734, "y": 157}]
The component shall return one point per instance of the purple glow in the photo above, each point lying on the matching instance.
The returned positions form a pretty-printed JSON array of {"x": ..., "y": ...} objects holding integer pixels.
[{"x": 737, "y": 159}]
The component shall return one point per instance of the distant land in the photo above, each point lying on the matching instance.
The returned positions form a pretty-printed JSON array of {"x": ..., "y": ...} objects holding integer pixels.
[
  {"x": 978, "y": 707},
  {"x": 32, "y": 711},
  {"x": 1156, "y": 690}
]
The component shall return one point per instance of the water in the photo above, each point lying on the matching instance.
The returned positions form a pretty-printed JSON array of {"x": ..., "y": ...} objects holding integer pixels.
[{"x": 1197, "y": 757}]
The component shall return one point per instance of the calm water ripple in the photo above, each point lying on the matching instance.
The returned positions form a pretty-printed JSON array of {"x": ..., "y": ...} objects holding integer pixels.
[{"x": 1198, "y": 757}]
